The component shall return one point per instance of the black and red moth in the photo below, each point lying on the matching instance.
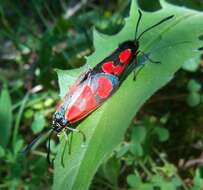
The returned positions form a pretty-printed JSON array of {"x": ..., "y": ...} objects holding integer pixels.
[{"x": 96, "y": 85}]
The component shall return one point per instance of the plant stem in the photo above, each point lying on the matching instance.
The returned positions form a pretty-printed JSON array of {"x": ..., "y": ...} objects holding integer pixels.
[
  {"x": 145, "y": 169},
  {"x": 176, "y": 174},
  {"x": 18, "y": 118},
  {"x": 38, "y": 153},
  {"x": 102, "y": 181}
]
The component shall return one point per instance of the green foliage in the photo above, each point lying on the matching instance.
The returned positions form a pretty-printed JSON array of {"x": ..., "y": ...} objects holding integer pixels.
[
  {"x": 134, "y": 181},
  {"x": 137, "y": 138},
  {"x": 5, "y": 116},
  {"x": 110, "y": 170},
  {"x": 38, "y": 123},
  {"x": 191, "y": 65},
  {"x": 157, "y": 181},
  {"x": 2, "y": 152},
  {"x": 194, "y": 86},
  {"x": 198, "y": 180},
  {"x": 160, "y": 143},
  {"x": 110, "y": 121},
  {"x": 162, "y": 183},
  {"x": 194, "y": 97},
  {"x": 67, "y": 77}
]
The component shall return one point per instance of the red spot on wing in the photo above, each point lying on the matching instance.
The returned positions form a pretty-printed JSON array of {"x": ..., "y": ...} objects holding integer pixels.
[
  {"x": 82, "y": 106},
  {"x": 125, "y": 56},
  {"x": 104, "y": 87},
  {"x": 108, "y": 67},
  {"x": 118, "y": 69}
]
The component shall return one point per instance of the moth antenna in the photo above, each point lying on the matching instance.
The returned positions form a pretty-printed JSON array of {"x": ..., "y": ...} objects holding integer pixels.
[
  {"x": 49, "y": 148},
  {"x": 29, "y": 146},
  {"x": 153, "y": 26},
  {"x": 138, "y": 23}
]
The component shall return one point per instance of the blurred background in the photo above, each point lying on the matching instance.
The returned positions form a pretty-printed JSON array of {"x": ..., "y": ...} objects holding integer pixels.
[{"x": 37, "y": 36}]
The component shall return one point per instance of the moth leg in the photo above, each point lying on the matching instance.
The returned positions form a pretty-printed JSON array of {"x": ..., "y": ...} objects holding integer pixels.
[
  {"x": 78, "y": 131},
  {"x": 136, "y": 73},
  {"x": 70, "y": 140},
  {"x": 64, "y": 149},
  {"x": 141, "y": 67},
  {"x": 148, "y": 58},
  {"x": 49, "y": 151},
  {"x": 50, "y": 162}
]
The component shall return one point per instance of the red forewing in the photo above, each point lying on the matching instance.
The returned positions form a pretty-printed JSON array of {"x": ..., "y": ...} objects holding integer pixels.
[
  {"x": 89, "y": 95},
  {"x": 82, "y": 104}
]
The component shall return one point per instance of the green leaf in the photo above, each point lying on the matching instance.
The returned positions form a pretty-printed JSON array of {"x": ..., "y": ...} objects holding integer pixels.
[
  {"x": 191, "y": 65},
  {"x": 2, "y": 152},
  {"x": 162, "y": 133},
  {"x": 146, "y": 186},
  {"x": 136, "y": 149},
  {"x": 38, "y": 106},
  {"x": 53, "y": 146},
  {"x": 165, "y": 183},
  {"x": 149, "y": 5},
  {"x": 105, "y": 128},
  {"x": 134, "y": 180},
  {"x": 122, "y": 149},
  {"x": 193, "y": 99},
  {"x": 138, "y": 134},
  {"x": 5, "y": 116},
  {"x": 38, "y": 123},
  {"x": 168, "y": 170},
  {"x": 18, "y": 146},
  {"x": 198, "y": 179},
  {"x": 67, "y": 78},
  {"x": 48, "y": 102},
  {"x": 194, "y": 86},
  {"x": 28, "y": 113},
  {"x": 111, "y": 170}
]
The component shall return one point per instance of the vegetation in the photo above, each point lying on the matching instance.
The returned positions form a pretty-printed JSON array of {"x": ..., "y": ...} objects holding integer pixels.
[{"x": 160, "y": 147}]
